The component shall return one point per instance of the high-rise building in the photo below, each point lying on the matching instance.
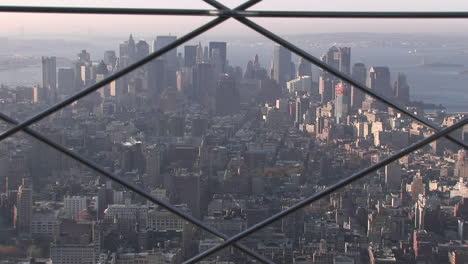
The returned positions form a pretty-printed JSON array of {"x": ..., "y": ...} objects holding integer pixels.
[
  {"x": 110, "y": 58},
  {"x": 304, "y": 68},
  {"x": 190, "y": 55},
  {"x": 84, "y": 57},
  {"x": 187, "y": 190},
  {"x": 156, "y": 77},
  {"x": 359, "y": 73},
  {"x": 342, "y": 102},
  {"x": 24, "y": 207},
  {"x": 401, "y": 89},
  {"x": 227, "y": 96},
  {"x": 49, "y": 77},
  {"x": 282, "y": 66},
  {"x": 73, "y": 205},
  {"x": 393, "y": 176},
  {"x": 379, "y": 80},
  {"x": 66, "y": 81},
  {"x": 326, "y": 90},
  {"x": 141, "y": 49},
  {"x": 127, "y": 51},
  {"x": 170, "y": 57},
  {"x": 339, "y": 58},
  {"x": 204, "y": 84},
  {"x": 301, "y": 84},
  {"x": 132, "y": 158},
  {"x": 222, "y": 53},
  {"x": 461, "y": 166}
]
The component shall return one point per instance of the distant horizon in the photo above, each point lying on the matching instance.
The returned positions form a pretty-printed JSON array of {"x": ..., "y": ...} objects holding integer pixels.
[{"x": 52, "y": 36}]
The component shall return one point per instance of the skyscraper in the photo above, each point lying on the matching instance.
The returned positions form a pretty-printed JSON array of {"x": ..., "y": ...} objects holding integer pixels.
[
  {"x": 156, "y": 76},
  {"x": 342, "y": 102},
  {"x": 170, "y": 57},
  {"x": 49, "y": 77},
  {"x": 227, "y": 96},
  {"x": 393, "y": 176},
  {"x": 66, "y": 81},
  {"x": 127, "y": 51},
  {"x": 190, "y": 55},
  {"x": 339, "y": 58},
  {"x": 142, "y": 49},
  {"x": 110, "y": 58},
  {"x": 401, "y": 89},
  {"x": 221, "y": 47},
  {"x": 24, "y": 207},
  {"x": 281, "y": 66},
  {"x": 379, "y": 80},
  {"x": 358, "y": 73},
  {"x": 304, "y": 68},
  {"x": 204, "y": 85}
]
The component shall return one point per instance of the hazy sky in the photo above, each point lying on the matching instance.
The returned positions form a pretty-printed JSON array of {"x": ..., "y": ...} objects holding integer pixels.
[{"x": 14, "y": 24}]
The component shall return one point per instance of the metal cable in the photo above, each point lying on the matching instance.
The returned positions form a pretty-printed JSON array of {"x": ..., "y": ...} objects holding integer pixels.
[
  {"x": 444, "y": 132},
  {"x": 109, "y": 175},
  {"x": 300, "y": 52},
  {"x": 329, "y": 190},
  {"x": 134, "y": 188},
  {"x": 230, "y": 13}
]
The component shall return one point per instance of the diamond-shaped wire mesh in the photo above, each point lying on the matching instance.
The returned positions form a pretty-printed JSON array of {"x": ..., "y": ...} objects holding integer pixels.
[{"x": 239, "y": 14}]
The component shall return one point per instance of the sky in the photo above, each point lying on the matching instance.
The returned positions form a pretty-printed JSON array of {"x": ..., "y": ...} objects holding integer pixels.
[{"x": 18, "y": 24}]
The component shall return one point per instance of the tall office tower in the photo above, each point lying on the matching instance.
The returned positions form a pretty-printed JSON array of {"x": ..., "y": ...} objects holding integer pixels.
[
  {"x": 281, "y": 66},
  {"x": 156, "y": 77},
  {"x": 217, "y": 63},
  {"x": 73, "y": 205},
  {"x": 359, "y": 74},
  {"x": 190, "y": 55},
  {"x": 49, "y": 77},
  {"x": 170, "y": 57},
  {"x": 227, "y": 96},
  {"x": 200, "y": 58},
  {"x": 204, "y": 85},
  {"x": 326, "y": 88},
  {"x": 185, "y": 80},
  {"x": 393, "y": 176},
  {"x": 461, "y": 165},
  {"x": 379, "y": 80},
  {"x": 339, "y": 58},
  {"x": 299, "y": 113},
  {"x": 110, "y": 58},
  {"x": 132, "y": 158},
  {"x": 142, "y": 49},
  {"x": 401, "y": 89},
  {"x": 24, "y": 207},
  {"x": 131, "y": 48},
  {"x": 84, "y": 56},
  {"x": 221, "y": 47},
  {"x": 304, "y": 68},
  {"x": 127, "y": 52},
  {"x": 153, "y": 166},
  {"x": 187, "y": 190},
  {"x": 102, "y": 72},
  {"x": 66, "y": 81},
  {"x": 342, "y": 102}
]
